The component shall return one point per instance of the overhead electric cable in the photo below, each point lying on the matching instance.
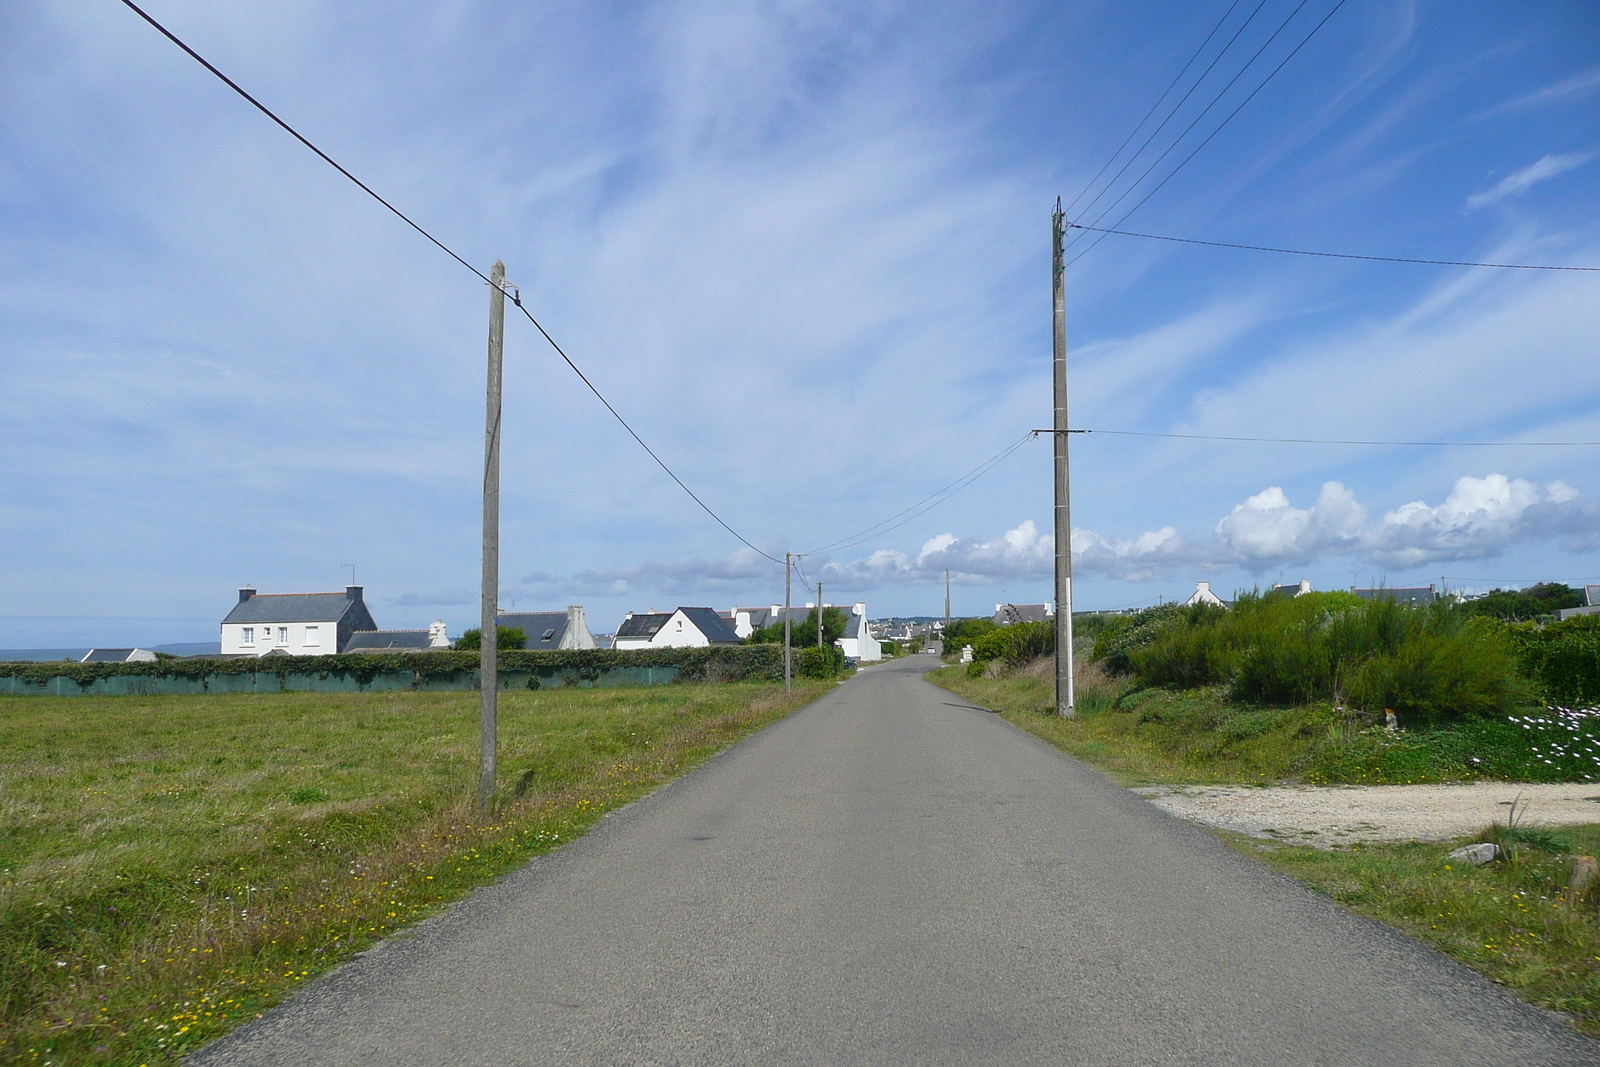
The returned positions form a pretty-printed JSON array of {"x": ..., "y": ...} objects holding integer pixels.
[
  {"x": 1170, "y": 174},
  {"x": 1178, "y": 107},
  {"x": 1164, "y": 93},
  {"x": 1333, "y": 441},
  {"x": 936, "y": 499},
  {"x": 1329, "y": 255},
  {"x": 297, "y": 135}
]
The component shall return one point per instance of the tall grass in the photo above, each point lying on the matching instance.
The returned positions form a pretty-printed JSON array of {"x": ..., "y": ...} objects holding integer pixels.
[{"x": 1426, "y": 664}]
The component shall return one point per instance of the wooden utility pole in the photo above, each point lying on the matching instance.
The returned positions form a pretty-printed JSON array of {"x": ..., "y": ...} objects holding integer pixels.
[
  {"x": 488, "y": 675},
  {"x": 788, "y": 623},
  {"x": 819, "y": 614},
  {"x": 1065, "y": 703}
]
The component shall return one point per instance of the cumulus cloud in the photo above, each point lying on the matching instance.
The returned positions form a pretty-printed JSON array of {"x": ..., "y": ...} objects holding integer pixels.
[
  {"x": 738, "y": 571},
  {"x": 1526, "y": 178},
  {"x": 1481, "y": 517}
]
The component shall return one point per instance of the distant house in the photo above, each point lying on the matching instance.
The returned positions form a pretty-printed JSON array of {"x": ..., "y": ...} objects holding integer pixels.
[
  {"x": 683, "y": 628},
  {"x": 1414, "y": 596},
  {"x": 1591, "y": 604},
  {"x": 118, "y": 655},
  {"x": 435, "y": 636},
  {"x": 1290, "y": 590},
  {"x": 857, "y": 642},
  {"x": 294, "y": 624},
  {"x": 1007, "y": 614},
  {"x": 1203, "y": 595},
  {"x": 551, "y": 629},
  {"x": 746, "y": 621}
]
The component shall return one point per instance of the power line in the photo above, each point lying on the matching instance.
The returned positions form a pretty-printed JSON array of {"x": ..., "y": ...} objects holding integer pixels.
[
  {"x": 364, "y": 187},
  {"x": 1215, "y": 99},
  {"x": 1172, "y": 173},
  {"x": 1170, "y": 86},
  {"x": 1329, "y": 255},
  {"x": 937, "y": 498},
  {"x": 1330, "y": 441}
]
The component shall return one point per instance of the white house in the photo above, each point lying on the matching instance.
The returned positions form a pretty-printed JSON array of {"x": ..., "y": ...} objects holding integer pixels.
[
  {"x": 1203, "y": 595},
  {"x": 857, "y": 643},
  {"x": 294, "y": 624},
  {"x": 683, "y": 628},
  {"x": 1008, "y": 614}
]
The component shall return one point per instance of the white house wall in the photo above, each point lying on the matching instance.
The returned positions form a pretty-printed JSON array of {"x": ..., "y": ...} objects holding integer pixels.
[{"x": 266, "y": 638}]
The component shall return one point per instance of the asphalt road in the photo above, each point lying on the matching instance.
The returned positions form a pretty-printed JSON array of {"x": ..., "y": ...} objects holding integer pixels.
[{"x": 890, "y": 876}]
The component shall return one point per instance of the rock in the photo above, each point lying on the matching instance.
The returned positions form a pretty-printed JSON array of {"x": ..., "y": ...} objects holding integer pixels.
[
  {"x": 1477, "y": 855},
  {"x": 1585, "y": 872}
]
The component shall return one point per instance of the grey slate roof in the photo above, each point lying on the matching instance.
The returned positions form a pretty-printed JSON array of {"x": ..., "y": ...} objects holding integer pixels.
[
  {"x": 294, "y": 607},
  {"x": 544, "y": 629},
  {"x": 388, "y": 640},
  {"x": 108, "y": 655},
  {"x": 717, "y": 629},
  {"x": 1591, "y": 596},
  {"x": 647, "y": 624},
  {"x": 760, "y": 618},
  {"x": 1012, "y": 613}
]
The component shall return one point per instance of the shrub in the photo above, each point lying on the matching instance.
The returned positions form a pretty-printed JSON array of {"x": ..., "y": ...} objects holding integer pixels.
[
  {"x": 1016, "y": 644},
  {"x": 814, "y": 662},
  {"x": 1514, "y": 606},
  {"x": 1424, "y": 663},
  {"x": 1563, "y": 658},
  {"x": 1119, "y": 639},
  {"x": 505, "y": 637}
]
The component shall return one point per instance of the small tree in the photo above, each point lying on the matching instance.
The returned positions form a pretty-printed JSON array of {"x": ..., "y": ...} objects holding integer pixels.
[{"x": 506, "y": 638}]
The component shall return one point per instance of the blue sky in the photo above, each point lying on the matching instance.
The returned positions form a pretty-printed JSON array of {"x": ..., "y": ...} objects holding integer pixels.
[{"x": 804, "y": 248}]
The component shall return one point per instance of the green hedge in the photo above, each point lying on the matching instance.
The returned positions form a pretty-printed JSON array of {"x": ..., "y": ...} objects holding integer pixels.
[
  {"x": 1564, "y": 657},
  {"x": 727, "y": 663},
  {"x": 1016, "y": 644}
]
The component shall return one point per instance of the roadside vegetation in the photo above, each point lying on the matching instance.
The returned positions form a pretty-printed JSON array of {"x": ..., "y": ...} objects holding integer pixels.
[
  {"x": 172, "y": 866},
  {"x": 1286, "y": 690},
  {"x": 1515, "y": 921}
]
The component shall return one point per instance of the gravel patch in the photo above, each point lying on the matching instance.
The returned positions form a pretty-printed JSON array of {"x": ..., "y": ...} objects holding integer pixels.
[{"x": 1330, "y": 816}]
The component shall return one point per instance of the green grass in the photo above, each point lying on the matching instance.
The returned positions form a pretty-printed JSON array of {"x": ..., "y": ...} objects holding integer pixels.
[
  {"x": 1178, "y": 736},
  {"x": 172, "y": 866},
  {"x": 1509, "y": 921}
]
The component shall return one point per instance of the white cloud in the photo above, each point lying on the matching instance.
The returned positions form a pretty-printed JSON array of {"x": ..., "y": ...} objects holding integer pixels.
[
  {"x": 1481, "y": 517},
  {"x": 1266, "y": 528},
  {"x": 1577, "y": 84},
  {"x": 1526, "y": 178}
]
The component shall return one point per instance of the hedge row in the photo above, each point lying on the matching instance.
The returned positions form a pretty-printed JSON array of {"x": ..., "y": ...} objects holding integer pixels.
[
  {"x": 1563, "y": 656},
  {"x": 723, "y": 664}
]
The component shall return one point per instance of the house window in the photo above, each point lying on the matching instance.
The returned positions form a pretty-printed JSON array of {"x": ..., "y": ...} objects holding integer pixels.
[
  {"x": 283, "y": 635},
  {"x": 548, "y": 634},
  {"x": 680, "y": 625},
  {"x": 247, "y": 636},
  {"x": 312, "y": 637}
]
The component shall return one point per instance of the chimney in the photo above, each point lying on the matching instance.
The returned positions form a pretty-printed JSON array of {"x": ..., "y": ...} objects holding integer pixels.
[
  {"x": 353, "y": 592},
  {"x": 246, "y": 593},
  {"x": 1202, "y": 587},
  {"x": 438, "y": 635}
]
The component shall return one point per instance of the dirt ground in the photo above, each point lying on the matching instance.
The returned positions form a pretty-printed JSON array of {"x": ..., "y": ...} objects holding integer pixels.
[{"x": 1326, "y": 816}]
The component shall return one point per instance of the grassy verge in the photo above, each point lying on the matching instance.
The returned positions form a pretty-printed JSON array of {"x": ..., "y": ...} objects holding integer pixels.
[
  {"x": 1198, "y": 735},
  {"x": 172, "y": 866},
  {"x": 1510, "y": 921}
]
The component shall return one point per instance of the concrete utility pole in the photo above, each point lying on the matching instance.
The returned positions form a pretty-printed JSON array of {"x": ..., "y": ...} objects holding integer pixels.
[
  {"x": 788, "y": 622},
  {"x": 1065, "y": 702},
  {"x": 947, "y": 601},
  {"x": 488, "y": 675},
  {"x": 819, "y": 614}
]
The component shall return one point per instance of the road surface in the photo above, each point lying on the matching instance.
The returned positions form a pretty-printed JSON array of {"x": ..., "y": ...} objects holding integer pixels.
[{"x": 891, "y": 876}]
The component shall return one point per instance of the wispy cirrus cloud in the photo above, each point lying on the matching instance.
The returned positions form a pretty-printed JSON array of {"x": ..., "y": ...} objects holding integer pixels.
[{"x": 1520, "y": 182}]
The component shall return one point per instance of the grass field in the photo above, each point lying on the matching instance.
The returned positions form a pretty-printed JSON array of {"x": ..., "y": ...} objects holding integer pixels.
[
  {"x": 172, "y": 866},
  {"x": 1511, "y": 921}
]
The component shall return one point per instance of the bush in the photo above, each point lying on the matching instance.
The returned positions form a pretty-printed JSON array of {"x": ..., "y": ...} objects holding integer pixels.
[
  {"x": 1119, "y": 639},
  {"x": 506, "y": 638},
  {"x": 966, "y": 632},
  {"x": 1563, "y": 658},
  {"x": 1014, "y": 645},
  {"x": 814, "y": 662},
  {"x": 1423, "y": 663},
  {"x": 1514, "y": 606}
]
